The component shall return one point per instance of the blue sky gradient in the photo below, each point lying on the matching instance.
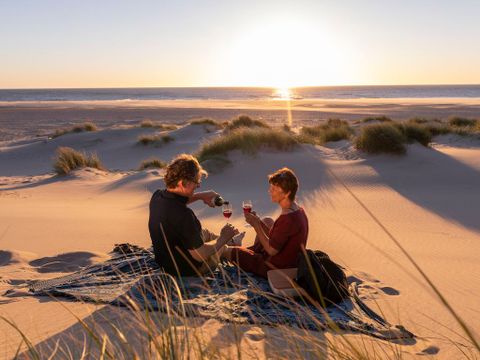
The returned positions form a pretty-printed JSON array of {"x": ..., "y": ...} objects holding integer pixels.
[{"x": 50, "y": 43}]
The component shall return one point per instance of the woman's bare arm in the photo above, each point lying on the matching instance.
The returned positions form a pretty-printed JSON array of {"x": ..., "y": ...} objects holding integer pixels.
[{"x": 260, "y": 227}]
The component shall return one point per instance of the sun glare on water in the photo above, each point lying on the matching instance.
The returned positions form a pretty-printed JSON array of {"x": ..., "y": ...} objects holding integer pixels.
[{"x": 283, "y": 93}]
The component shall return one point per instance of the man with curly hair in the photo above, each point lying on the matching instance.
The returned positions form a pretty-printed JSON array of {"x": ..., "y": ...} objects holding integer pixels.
[{"x": 179, "y": 242}]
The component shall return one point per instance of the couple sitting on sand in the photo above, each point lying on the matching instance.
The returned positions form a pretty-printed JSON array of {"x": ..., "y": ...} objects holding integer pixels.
[{"x": 183, "y": 248}]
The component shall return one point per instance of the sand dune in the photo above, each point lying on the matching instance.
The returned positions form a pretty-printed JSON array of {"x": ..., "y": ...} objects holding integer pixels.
[
  {"x": 428, "y": 199},
  {"x": 117, "y": 148}
]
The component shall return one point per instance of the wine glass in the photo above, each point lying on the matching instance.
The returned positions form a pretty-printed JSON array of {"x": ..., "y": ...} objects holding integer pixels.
[
  {"x": 247, "y": 208},
  {"x": 227, "y": 210}
]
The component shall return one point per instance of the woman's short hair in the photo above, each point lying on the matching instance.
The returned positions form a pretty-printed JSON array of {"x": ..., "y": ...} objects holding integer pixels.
[
  {"x": 184, "y": 167},
  {"x": 286, "y": 180}
]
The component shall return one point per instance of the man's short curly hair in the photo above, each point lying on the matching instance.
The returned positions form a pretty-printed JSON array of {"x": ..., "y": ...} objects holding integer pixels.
[
  {"x": 184, "y": 167},
  {"x": 286, "y": 180}
]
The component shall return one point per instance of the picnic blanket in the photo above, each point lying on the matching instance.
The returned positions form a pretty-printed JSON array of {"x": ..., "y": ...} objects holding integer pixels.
[{"x": 132, "y": 278}]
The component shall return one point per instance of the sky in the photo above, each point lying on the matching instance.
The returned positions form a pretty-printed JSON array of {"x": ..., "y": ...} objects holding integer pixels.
[{"x": 106, "y": 43}]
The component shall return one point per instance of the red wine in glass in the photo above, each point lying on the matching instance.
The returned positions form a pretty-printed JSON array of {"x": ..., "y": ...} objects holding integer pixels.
[
  {"x": 247, "y": 208},
  {"x": 227, "y": 210}
]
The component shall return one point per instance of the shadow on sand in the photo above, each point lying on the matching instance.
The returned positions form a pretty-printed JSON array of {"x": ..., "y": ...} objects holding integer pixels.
[
  {"x": 435, "y": 181},
  {"x": 67, "y": 262},
  {"x": 149, "y": 180},
  {"x": 126, "y": 333},
  {"x": 44, "y": 181}
]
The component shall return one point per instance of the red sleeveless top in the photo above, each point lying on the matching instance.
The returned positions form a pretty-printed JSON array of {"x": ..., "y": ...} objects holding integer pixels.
[{"x": 287, "y": 235}]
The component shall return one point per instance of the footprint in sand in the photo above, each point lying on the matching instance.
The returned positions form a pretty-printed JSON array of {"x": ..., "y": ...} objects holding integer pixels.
[
  {"x": 254, "y": 334},
  {"x": 16, "y": 282},
  {"x": 389, "y": 290},
  {"x": 376, "y": 290},
  {"x": 368, "y": 277},
  {"x": 367, "y": 289},
  {"x": 431, "y": 350},
  {"x": 351, "y": 279}
]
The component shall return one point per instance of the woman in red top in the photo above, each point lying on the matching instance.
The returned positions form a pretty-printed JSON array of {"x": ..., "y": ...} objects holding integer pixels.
[{"x": 278, "y": 243}]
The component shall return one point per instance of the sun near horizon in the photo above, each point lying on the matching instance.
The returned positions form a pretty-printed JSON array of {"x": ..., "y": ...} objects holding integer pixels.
[{"x": 269, "y": 44}]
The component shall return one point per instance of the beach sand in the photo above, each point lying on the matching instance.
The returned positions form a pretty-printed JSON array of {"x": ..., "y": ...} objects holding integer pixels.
[
  {"x": 428, "y": 199},
  {"x": 27, "y": 119}
]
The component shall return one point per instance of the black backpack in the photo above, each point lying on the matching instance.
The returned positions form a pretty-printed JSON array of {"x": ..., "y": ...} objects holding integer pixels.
[{"x": 322, "y": 279}]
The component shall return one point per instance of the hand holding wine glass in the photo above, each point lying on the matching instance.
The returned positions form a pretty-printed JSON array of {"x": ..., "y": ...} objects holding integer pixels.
[
  {"x": 252, "y": 218},
  {"x": 227, "y": 233}
]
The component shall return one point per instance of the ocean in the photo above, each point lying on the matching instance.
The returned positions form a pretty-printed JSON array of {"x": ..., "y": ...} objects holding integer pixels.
[
  {"x": 27, "y": 113},
  {"x": 240, "y": 93}
]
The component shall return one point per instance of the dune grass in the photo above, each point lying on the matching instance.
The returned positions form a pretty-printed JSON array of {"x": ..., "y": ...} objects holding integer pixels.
[
  {"x": 417, "y": 133},
  {"x": 381, "y": 138},
  {"x": 414, "y": 132},
  {"x": 68, "y": 159},
  {"x": 86, "y": 126},
  {"x": 418, "y": 120},
  {"x": 461, "y": 122},
  {"x": 438, "y": 128},
  {"x": 382, "y": 118},
  {"x": 156, "y": 140},
  {"x": 247, "y": 140},
  {"x": 463, "y": 126},
  {"x": 59, "y": 132},
  {"x": 152, "y": 164},
  {"x": 208, "y": 122},
  {"x": 147, "y": 123},
  {"x": 333, "y": 130},
  {"x": 423, "y": 120},
  {"x": 244, "y": 121},
  {"x": 455, "y": 125}
]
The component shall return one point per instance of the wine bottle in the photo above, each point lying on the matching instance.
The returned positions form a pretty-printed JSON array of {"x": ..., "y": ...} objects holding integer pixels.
[{"x": 219, "y": 201}]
